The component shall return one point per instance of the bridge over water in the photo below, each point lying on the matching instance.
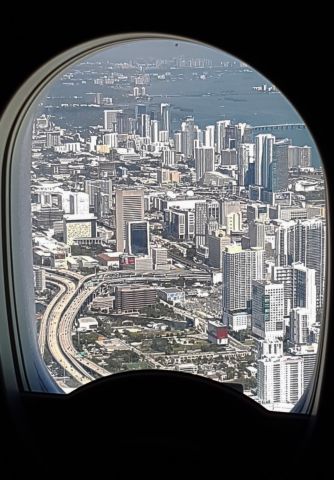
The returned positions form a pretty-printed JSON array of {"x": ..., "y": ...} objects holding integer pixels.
[{"x": 281, "y": 126}]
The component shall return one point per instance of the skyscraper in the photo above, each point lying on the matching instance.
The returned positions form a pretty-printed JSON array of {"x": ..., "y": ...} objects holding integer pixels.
[
  {"x": 210, "y": 136},
  {"x": 200, "y": 223},
  {"x": 268, "y": 309},
  {"x": 154, "y": 131},
  {"x": 246, "y": 156},
  {"x": 240, "y": 269},
  {"x": 95, "y": 188},
  {"x": 263, "y": 159},
  {"x": 165, "y": 117},
  {"x": 110, "y": 120},
  {"x": 129, "y": 208},
  {"x": 278, "y": 174},
  {"x": 221, "y": 132},
  {"x": 188, "y": 136},
  {"x": 204, "y": 161},
  {"x": 280, "y": 380},
  {"x": 299, "y": 156},
  {"x": 305, "y": 242}
]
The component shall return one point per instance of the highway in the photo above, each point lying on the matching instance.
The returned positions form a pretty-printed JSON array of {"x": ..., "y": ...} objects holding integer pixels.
[
  {"x": 44, "y": 321},
  {"x": 57, "y": 339},
  {"x": 73, "y": 291}
]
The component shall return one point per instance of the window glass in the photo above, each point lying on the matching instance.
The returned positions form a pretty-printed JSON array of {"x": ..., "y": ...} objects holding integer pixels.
[{"x": 179, "y": 222}]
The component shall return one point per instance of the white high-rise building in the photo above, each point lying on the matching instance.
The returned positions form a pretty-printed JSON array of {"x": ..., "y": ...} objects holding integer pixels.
[
  {"x": 129, "y": 208},
  {"x": 269, "y": 348},
  {"x": 154, "y": 131},
  {"x": 227, "y": 207},
  {"x": 305, "y": 242},
  {"x": 268, "y": 310},
  {"x": 240, "y": 269},
  {"x": 75, "y": 203},
  {"x": 221, "y": 131},
  {"x": 210, "y": 136},
  {"x": 309, "y": 354},
  {"x": 188, "y": 137},
  {"x": 168, "y": 157},
  {"x": 280, "y": 381},
  {"x": 246, "y": 156},
  {"x": 299, "y": 288}
]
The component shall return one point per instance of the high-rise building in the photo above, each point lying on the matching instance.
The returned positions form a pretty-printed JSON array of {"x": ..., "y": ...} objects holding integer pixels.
[
  {"x": 257, "y": 234},
  {"x": 168, "y": 157},
  {"x": 221, "y": 132},
  {"x": 278, "y": 173},
  {"x": 204, "y": 161},
  {"x": 165, "y": 117},
  {"x": 40, "y": 280},
  {"x": 200, "y": 223},
  {"x": 269, "y": 348},
  {"x": 145, "y": 126},
  {"x": 309, "y": 355},
  {"x": 129, "y": 208},
  {"x": 240, "y": 269},
  {"x": 140, "y": 110},
  {"x": 305, "y": 242},
  {"x": 263, "y": 159},
  {"x": 216, "y": 244},
  {"x": 79, "y": 203},
  {"x": 229, "y": 157},
  {"x": 154, "y": 131},
  {"x": 299, "y": 326},
  {"x": 178, "y": 142},
  {"x": 268, "y": 309},
  {"x": 227, "y": 207},
  {"x": 180, "y": 223},
  {"x": 280, "y": 380},
  {"x": 188, "y": 137},
  {"x": 299, "y": 156},
  {"x": 95, "y": 189},
  {"x": 233, "y": 222},
  {"x": 138, "y": 238},
  {"x": 246, "y": 156},
  {"x": 210, "y": 136},
  {"x": 110, "y": 120}
]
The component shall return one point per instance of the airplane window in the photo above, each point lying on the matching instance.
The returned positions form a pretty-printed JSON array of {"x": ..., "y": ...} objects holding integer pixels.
[{"x": 178, "y": 216}]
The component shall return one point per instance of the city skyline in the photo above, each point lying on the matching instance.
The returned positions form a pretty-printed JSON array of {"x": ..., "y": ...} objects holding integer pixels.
[{"x": 195, "y": 248}]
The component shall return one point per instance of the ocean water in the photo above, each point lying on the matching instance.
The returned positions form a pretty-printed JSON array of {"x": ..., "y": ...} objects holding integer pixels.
[{"x": 220, "y": 94}]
